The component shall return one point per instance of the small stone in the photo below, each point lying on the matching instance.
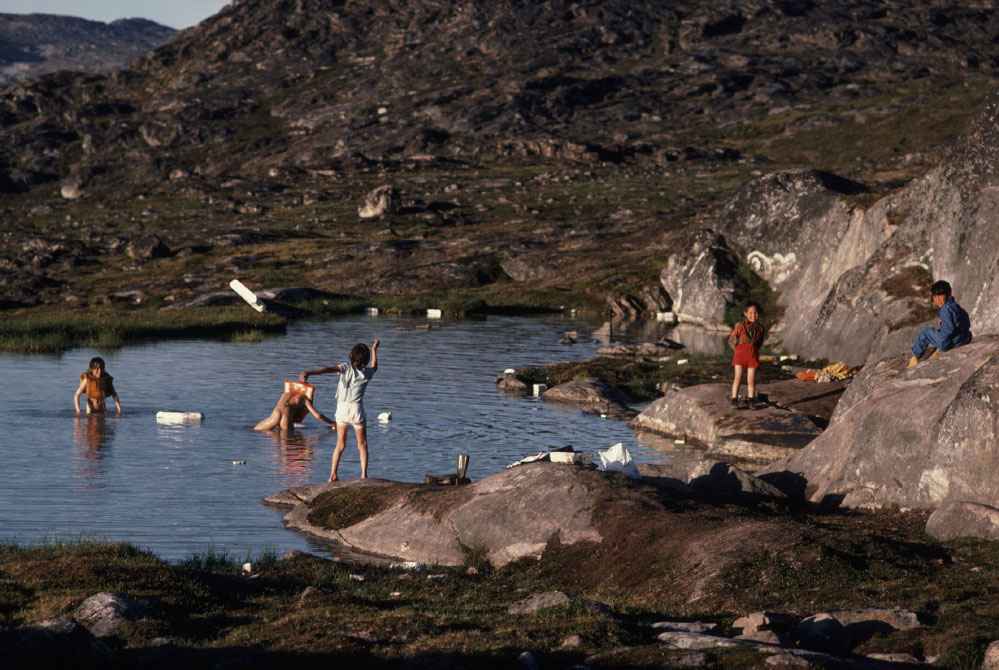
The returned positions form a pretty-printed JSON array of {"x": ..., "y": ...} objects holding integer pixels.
[
  {"x": 104, "y": 612},
  {"x": 572, "y": 642},
  {"x": 787, "y": 661},
  {"x": 707, "y": 628},
  {"x": 991, "y": 660},
  {"x": 527, "y": 660}
]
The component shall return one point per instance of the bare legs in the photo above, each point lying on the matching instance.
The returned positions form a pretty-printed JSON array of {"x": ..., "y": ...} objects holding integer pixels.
[
  {"x": 750, "y": 381},
  {"x": 361, "y": 432}
]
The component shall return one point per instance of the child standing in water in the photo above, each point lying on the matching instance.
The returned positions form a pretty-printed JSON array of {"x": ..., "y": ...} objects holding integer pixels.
[
  {"x": 746, "y": 338},
  {"x": 98, "y": 385},
  {"x": 354, "y": 378}
]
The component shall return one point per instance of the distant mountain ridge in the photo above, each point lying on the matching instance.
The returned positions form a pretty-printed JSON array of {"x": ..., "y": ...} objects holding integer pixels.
[{"x": 36, "y": 44}]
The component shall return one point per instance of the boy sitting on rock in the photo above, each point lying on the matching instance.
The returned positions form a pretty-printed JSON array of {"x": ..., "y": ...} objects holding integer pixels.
[{"x": 954, "y": 328}]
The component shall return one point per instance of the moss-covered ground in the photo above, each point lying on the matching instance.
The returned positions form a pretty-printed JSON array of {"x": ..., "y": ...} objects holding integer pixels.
[{"x": 368, "y": 616}]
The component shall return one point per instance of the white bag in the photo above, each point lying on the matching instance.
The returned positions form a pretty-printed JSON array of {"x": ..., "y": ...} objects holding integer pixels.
[{"x": 617, "y": 459}]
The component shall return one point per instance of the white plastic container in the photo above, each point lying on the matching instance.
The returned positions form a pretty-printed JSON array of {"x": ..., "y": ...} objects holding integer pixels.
[{"x": 179, "y": 417}]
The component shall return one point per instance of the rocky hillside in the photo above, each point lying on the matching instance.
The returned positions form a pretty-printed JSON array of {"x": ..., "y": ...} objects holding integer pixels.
[
  {"x": 35, "y": 44},
  {"x": 524, "y": 140}
]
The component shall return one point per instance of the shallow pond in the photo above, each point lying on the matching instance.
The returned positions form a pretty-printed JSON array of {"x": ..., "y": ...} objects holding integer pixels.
[{"x": 174, "y": 489}]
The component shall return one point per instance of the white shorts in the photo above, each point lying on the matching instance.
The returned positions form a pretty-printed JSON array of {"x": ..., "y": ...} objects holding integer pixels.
[{"x": 351, "y": 414}]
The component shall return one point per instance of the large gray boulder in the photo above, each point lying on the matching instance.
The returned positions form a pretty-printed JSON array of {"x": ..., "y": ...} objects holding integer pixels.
[
  {"x": 938, "y": 227},
  {"x": 700, "y": 280},
  {"x": 963, "y": 519},
  {"x": 510, "y": 515},
  {"x": 913, "y": 437},
  {"x": 797, "y": 230},
  {"x": 704, "y": 415}
]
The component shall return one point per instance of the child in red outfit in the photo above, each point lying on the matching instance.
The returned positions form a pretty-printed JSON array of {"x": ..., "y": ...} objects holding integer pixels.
[{"x": 746, "y": 338}]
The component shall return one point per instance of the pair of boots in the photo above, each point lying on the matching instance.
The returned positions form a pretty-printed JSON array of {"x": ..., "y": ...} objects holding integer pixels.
[
  {"x": 913, "y": 361},
  {"x": 745, "y": 403}
]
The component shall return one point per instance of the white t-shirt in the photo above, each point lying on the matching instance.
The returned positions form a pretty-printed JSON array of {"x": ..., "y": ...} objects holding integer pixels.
[{"x": 352, "y": 383}]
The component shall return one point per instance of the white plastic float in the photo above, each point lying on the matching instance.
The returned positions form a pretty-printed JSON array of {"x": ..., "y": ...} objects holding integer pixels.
[{"x": 179, "y": 417}]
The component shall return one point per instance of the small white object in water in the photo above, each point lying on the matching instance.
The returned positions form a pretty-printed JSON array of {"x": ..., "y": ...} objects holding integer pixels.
[
  {"x": 540, "y": 388},
  {"x": 179, "y": 417},
  {"x": 385, "y": 417},
  {"x": 433, "y": 314},
  {"x": 682, "y": 361},
  {"x": 239, "y": 462},
  {"x": 298, "y": 425},
  {"x": 372, "y": 311}
]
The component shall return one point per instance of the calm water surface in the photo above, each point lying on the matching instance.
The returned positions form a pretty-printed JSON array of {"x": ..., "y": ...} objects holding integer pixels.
[{"x": 173, "y": 489}]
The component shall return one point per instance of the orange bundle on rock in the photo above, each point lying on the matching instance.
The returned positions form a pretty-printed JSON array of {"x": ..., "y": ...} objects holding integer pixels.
[{"x": 300, "y": 388}]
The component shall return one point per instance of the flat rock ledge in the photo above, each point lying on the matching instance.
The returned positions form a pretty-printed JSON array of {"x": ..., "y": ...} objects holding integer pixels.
[
  {"x": 510, "y": 515},
  {"x": 704, "y": 415}
]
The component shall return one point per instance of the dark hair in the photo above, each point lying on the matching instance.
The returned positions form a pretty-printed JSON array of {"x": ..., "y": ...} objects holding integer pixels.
[
  {"x": 753, "y": 303},
  {"x": 96, "y": 361},
  {"x": 360, "y": 355},
  {"x": 940, "y": 288}
]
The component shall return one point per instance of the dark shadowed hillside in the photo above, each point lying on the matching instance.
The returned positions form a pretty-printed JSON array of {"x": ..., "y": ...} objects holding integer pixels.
[{"x": 524, "y": 139}]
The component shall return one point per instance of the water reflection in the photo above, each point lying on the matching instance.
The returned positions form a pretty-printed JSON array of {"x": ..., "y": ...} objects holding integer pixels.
[
  {"x": 92, "y": 434},
  {"x": 693, "y": 338},
  {"x": 293, "y": 454}
]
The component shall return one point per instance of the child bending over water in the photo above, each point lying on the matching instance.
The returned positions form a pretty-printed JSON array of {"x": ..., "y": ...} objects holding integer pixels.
[
  {"x": 354, "y": 378},
  {"x": 98, "y": 385},
  {"x": 290, "y": 409}
]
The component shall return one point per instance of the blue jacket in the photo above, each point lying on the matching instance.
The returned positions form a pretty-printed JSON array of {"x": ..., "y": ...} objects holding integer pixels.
[{"x": 955, "y": 326}]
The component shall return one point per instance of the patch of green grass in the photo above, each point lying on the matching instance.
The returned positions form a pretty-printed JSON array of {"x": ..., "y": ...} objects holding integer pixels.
[
  {"x": 343, "y": 507},
  {"x": 52, "y": 330}
]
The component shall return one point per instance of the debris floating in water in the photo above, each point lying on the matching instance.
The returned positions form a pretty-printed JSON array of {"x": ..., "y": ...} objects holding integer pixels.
[
  {"x": 239, "y": 462},
  {"x": 385, "y": 417},
  {"x": 178, "y": 417}
]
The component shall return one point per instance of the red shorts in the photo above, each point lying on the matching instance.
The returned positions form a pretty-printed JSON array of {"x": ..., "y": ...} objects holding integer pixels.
[{"x": 746, "y": 355}]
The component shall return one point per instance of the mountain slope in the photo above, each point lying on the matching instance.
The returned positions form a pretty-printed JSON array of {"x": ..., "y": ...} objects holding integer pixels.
[{"x": 36, "y": 44}]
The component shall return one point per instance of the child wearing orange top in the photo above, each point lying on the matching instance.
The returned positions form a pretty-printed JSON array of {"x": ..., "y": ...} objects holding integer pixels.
[
  {"x": 746, "y": 338},
  {"x": 98, "y": 385}
]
